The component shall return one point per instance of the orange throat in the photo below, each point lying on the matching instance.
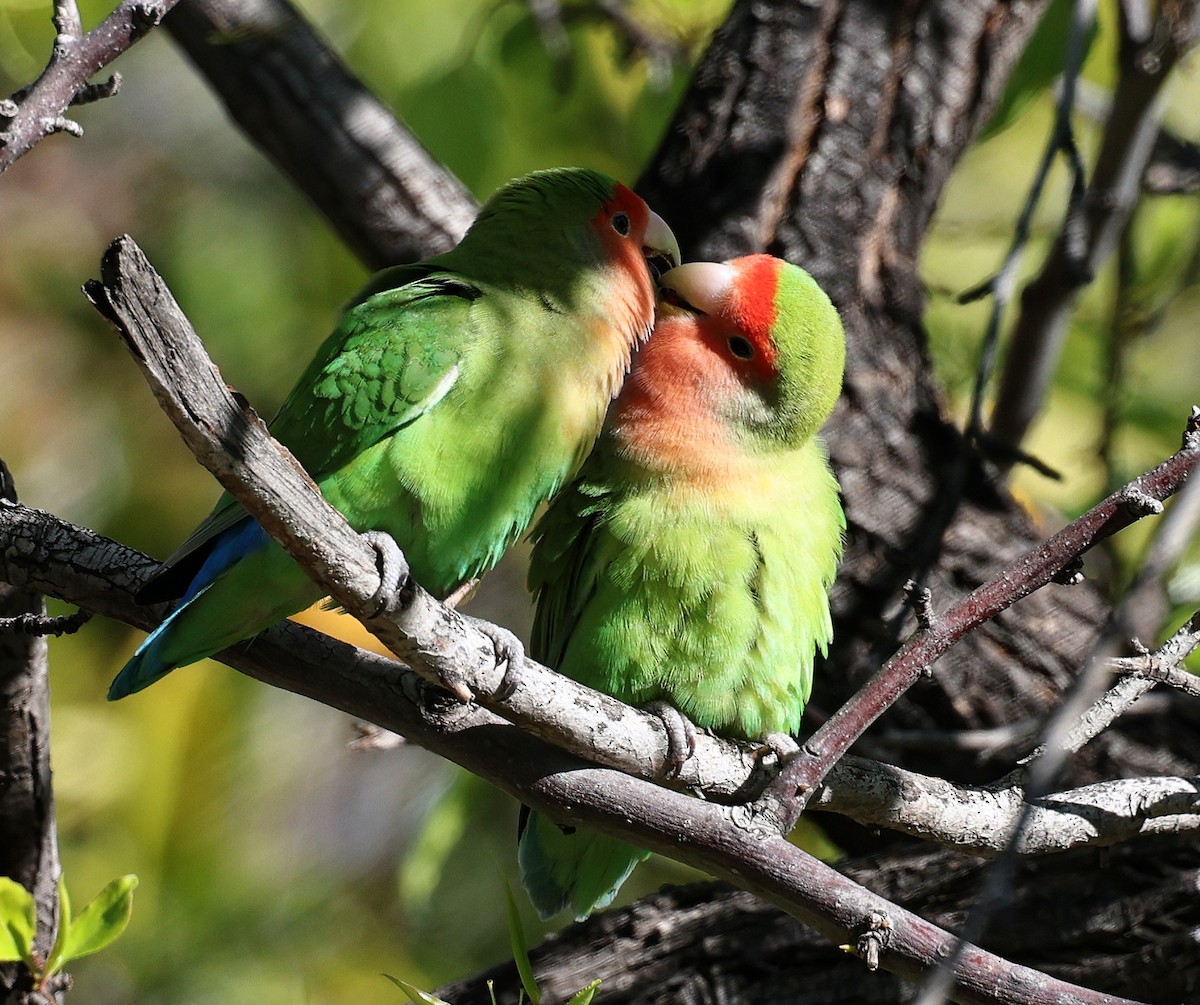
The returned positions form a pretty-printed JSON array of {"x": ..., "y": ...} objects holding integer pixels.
[{"x": 664, "y": 420}]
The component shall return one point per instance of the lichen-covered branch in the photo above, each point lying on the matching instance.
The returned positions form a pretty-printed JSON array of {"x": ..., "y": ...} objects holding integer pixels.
[
  {"x": 980, "y": 819},
  {"x": 790, "y": 792},
  {"x": 436, "y": 641},
  {"x": 78, "y": 566}
]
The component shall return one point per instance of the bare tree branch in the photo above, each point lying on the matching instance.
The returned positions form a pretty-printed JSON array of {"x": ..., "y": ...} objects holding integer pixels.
[
  {"x": 80, "y": 567},
  {"x": 40, "y": 109},
  {"x": 723, "y": 840},
  {"x": 789, "y": 793},
  {"x": 982, "y": 819},
  {"x": 1129, "y": 139},
  {"x": 435, "y": 640},
  {"x": 294, "y": 97}
]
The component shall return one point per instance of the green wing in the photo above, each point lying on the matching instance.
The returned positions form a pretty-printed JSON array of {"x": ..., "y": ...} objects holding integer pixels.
[
  {"x": 394, "y": 356},
  {"x": 572, "y": 549}
]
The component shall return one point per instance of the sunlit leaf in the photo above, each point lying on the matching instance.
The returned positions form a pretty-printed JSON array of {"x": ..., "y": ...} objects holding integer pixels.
[
  {"x": 18, "y": 917},
  {"x": 102, "y": 921},
  {"x": 584, "y": 995}
]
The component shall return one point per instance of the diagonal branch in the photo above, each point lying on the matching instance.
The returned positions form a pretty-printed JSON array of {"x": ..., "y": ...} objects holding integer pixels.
[
  {"x": 436, "y": 641},
  {"x": 723, "y": 840},
  {"x": 345, "y": 150},
  {"x": 78, "y": 566},
  {"x": 791, "y": 791}
]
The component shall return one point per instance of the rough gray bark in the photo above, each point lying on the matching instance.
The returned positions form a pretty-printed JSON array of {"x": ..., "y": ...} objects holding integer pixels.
[
  {"x": 707, "y": 943},
  {"x": 28, "y": 837}
]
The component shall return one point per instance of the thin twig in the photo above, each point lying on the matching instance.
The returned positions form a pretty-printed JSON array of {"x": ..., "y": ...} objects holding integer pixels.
[
  {"x": 1048, "y": 301},
  {"x": 38, "y": 110},
  {"x": 786, "y": 797},
  {"x": 40, "y": 624},
  {"x": 1001, "y": 285},
  {"x": 1141, "y": 673}
]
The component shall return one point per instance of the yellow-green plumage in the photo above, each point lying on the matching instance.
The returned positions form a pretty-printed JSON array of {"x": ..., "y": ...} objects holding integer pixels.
[
  {"x": 454, "y": 397},
  {"x": 690, "y": 561}
]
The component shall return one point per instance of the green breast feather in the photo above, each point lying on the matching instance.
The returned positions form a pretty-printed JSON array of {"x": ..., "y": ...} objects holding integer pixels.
[{"x": 716, "y": 606}]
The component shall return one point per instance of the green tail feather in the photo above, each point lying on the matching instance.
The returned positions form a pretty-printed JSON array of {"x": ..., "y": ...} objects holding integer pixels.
[{"x": 580, "y": 870}]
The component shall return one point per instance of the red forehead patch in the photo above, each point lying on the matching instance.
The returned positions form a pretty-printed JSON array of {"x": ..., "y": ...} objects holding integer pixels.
[
  {"x": 628, "y": 200},
  {"x": 752, "y": 305}
]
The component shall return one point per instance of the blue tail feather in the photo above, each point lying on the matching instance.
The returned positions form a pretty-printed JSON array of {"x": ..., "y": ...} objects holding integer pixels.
[{"x": 149, "y": 663}]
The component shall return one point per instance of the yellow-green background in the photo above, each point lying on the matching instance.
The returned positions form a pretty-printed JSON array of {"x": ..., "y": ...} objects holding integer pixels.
[{"x": 277, "y": 865}]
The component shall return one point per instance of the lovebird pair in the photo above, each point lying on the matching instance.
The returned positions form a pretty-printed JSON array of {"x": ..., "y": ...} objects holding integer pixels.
[{"x": 689, "y": 560}]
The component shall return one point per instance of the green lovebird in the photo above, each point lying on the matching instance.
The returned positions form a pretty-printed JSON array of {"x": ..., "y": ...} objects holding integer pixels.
[
  {"x": 690, "y": 560},
  {"x": 454, "y": 397}
]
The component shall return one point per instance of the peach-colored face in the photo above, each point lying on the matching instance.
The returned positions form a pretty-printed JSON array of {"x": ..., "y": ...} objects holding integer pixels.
[
  {"x": 711, "y": 349},
  {"x": 621, "y": 228},
  {"x": 737, "y": 305}
]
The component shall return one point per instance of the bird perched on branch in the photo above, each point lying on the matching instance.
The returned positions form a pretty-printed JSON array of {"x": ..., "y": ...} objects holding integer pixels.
[
  {"x": 690, "y": 560},
  {"x": 454, "y": 397}
]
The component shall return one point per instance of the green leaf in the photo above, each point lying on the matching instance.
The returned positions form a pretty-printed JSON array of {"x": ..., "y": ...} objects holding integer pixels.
[
  {"x": 584, "y": 995},
  {"x": 18, "y": 918},
  {"x": 415, "y": 994},
  {"x": 516, "y": 936},
  {"x": 55, "y": 961},
  {"x": 102, "y": 920}
]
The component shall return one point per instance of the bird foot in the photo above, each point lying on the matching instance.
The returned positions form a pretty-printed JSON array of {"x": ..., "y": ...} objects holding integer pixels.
[
  {"x": 681, "y": 734},
  {"x": 394, "y": 575},
  {"x": 509, "y": 650},
  {"x": 783, "y": 746}
]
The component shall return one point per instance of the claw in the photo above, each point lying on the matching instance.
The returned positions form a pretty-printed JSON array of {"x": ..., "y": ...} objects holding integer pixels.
[
  {"x": 783, "y": 746},
  {"x": 393, "y": 572},
  {"x": 681, "y": 734},
  {"x": 509, "y": 650}
]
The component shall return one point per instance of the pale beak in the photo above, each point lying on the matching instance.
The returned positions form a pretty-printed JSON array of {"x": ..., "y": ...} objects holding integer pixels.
[
  {"x": 702, "y": 287},
  {"x": 659, "y": 246}
]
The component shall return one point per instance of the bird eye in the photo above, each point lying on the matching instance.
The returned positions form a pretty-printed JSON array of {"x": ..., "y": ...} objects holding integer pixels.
[
  {"x": 620, "y": 223},
  {"x": 741, "y": 347}
]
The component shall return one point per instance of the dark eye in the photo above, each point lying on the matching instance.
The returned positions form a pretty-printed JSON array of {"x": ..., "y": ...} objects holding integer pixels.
[
  {"x": 741, "y": 347},
  {"x": 620, "y": 223}
]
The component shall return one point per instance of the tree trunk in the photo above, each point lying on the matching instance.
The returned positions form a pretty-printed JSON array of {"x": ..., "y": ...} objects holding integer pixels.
[{"x": 28, "y": 838}]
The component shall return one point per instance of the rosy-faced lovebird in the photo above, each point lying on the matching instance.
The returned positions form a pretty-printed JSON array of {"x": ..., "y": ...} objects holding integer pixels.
[
  {"x": 690, "y": 560},
  {"x": 454, "y": 397}
]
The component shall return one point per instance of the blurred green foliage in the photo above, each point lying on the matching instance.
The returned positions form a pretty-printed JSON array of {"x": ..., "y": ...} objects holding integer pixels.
[{"x": 277, "y": 865}]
